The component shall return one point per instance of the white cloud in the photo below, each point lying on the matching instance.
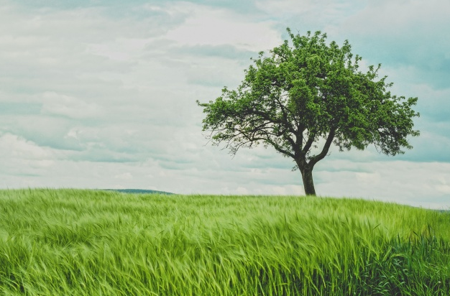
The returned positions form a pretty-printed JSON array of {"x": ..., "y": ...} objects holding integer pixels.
[
  {"x": 443, "y": 189},
  {"x": 308, "y": 15},
  {"x": 121, "y": 49},
  {"x": 368, "y": 178},
  {"x": 418, "y": 184},
  {"x": 124, "y": 176},
  {"x": 404, "y": 19},
  {"x": 13, "y": 146},
  {"x": 212, "y": 26},
  {"x": 58, "y": 104},
  {"x": 286, "y": 6},
  {"x": 20, "y": 157}
]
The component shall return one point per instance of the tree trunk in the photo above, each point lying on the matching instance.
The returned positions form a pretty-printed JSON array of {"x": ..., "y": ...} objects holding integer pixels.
[{"x": 308, "y": 182}]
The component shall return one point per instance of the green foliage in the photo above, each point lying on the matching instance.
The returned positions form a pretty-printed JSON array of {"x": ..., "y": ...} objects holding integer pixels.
[
  {"x": 75, "y": 242},
  {"x": 308, "y": 90}
]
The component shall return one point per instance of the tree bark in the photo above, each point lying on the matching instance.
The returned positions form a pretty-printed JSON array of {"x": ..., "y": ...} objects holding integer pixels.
[{"x": 308, "y": 181}]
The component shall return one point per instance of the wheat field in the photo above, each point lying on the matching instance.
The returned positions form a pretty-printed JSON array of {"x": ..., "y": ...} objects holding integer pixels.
[{"x": 85, "y": 242}]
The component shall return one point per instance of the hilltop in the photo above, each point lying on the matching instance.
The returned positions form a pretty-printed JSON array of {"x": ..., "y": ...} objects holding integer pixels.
[{"x": 139, "y": 191}]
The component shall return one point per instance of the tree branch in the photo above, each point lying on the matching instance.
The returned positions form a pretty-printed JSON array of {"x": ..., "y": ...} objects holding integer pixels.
[
  {"x": 285, "y": 117},
  {"x": 251, "y": 137},
  {"x": 282, "y": 123},
  {"x": 325, "y": 148},
  {"x": 279, "y": 149},
  {"x": 308, "y": 143}
]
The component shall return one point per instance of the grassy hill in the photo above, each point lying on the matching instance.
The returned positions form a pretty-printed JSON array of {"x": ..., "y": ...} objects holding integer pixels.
[{"x": 83, "y": 242}]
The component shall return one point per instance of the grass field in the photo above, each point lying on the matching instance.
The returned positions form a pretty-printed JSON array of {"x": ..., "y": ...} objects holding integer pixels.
[{"x": 81, "y": 242}]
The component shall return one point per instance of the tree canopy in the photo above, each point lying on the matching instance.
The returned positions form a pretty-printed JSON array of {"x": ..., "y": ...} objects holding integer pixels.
[{"x": 305, "y": 93}]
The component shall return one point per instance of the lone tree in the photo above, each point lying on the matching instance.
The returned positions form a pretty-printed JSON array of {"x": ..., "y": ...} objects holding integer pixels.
[{"x": 306, "y": 95}]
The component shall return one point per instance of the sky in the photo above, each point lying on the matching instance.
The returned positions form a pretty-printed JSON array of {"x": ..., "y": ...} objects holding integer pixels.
[{"x": 102, "y": 94}]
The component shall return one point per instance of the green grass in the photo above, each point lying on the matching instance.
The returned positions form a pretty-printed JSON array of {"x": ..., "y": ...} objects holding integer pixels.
[{"x": 81, "y": 242}]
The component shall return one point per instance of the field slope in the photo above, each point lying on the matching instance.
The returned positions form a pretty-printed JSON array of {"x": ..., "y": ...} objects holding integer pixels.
[{"x": 81, "y": 242}]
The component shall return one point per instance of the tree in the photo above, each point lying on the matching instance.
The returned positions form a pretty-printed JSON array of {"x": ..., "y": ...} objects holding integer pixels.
[{"x": 308, "y": 93}]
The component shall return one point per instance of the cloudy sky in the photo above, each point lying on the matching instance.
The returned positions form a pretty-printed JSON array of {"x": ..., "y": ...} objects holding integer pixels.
[{"x": 101, "y": 94}]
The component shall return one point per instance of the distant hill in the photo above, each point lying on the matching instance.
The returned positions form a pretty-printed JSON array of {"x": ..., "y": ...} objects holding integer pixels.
[{"x": 139, "y": 191}]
